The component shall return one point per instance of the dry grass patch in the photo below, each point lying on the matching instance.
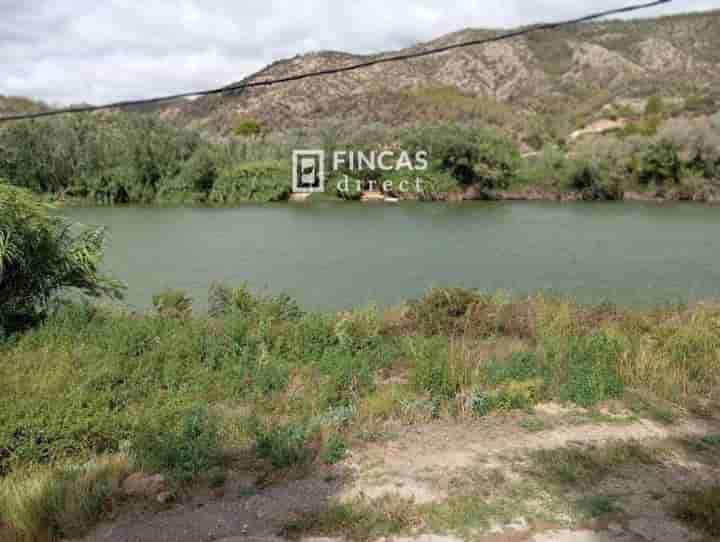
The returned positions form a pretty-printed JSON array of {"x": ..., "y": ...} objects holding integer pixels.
[
  {"x": 584, "y": 466},
  {"x": 359, "y": 520},
  {"x": 43, "y": 504}
]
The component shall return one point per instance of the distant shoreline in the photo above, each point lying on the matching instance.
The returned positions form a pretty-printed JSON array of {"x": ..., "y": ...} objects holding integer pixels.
[{"x": 530, "y": 194}]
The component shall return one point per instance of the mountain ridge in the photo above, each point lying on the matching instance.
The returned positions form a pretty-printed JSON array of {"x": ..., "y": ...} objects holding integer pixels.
[{"x": 675, "y": 56}]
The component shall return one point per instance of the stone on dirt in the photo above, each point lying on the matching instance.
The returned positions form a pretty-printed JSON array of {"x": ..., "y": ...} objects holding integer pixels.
[{"x": 144, "y": 485}]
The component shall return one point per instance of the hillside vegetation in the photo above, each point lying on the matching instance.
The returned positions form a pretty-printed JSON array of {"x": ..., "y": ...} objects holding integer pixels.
[{"x": 120, "y": 158}]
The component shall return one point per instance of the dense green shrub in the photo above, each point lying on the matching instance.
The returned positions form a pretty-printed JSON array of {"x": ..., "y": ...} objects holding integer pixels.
[
  {"x": 660, "y": 163},
  {"x": 477, "y": 156},
  {"x": 263, "y": 181},
  {"x": 285, "y": 445},
  {"x": 224, "y": 299},
  {"x": 173, "y": 303},
  {"x": 436, "y": 371},
  {"x": 550, "y": 167},
  {"x": 585, "y": 369},
  {"x": 334, "y": 450},
  {"x": 699, "y": 142},
  {"x": 247, "y": 128},
  {"x": 596, "y": 181},
  {"x": 182, "y": 442},
  {"x": 40, "y": 254},
  {"x": 442, "y": 310},
  {"x": 513, "y": 395},
  {"x": 518, "y": 367},
  {"x": 199, "y": 173}
]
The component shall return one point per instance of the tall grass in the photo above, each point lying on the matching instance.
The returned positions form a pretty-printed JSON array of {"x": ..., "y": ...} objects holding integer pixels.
[
  {"x": 48, "y": 503},
  {"x": 175, "y": 390}
]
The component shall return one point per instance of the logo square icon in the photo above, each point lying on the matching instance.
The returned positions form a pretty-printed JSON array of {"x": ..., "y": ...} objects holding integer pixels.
[{"x": 308, "y": 172}]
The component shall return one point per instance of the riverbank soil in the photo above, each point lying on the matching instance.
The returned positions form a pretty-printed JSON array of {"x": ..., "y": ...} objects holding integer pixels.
[{"x": 557, "y": 474}]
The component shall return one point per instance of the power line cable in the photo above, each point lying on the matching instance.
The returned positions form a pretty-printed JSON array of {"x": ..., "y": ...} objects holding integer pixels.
[{"x": 334, "y": 71}]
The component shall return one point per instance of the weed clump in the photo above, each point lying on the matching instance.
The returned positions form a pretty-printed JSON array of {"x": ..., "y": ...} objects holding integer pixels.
[
  {"x": 183, "y": 442},
  {"x": 586, "y": 466},
  {"x": 359, "y": 520},
  {"x": 176, "y": 303},
  {"x": 286, "y": 445}
]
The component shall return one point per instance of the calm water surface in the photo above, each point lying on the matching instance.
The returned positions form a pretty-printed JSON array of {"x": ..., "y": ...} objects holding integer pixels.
[{"x": 341, "y": 255}]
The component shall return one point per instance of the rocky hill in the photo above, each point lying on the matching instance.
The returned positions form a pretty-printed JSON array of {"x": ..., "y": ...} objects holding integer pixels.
[{"x": 570, "y": 72}]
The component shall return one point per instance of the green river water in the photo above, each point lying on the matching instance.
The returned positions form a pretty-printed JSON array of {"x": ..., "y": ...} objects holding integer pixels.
[{"x": 336, "y": 255}]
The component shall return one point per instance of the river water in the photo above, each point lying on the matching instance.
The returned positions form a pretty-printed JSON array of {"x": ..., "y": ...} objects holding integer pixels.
[{"x": 338, "y": 255}]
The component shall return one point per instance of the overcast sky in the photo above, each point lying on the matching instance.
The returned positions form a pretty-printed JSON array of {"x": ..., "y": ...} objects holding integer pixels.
[{"x": 69, "y": 51}]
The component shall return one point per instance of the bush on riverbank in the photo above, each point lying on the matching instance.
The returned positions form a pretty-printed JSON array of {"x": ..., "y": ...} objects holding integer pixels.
[{"x": 41, "y": 254}]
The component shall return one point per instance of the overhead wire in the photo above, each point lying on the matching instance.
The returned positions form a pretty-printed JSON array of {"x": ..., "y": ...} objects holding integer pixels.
[{"x": 338, "y": 70}]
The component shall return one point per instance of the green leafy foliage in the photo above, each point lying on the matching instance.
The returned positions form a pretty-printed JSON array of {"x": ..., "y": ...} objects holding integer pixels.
[
  {"x": 334, "y": 451},
  {"x": 593, "y": 374},
  {"x": 247, "y": 128},
  {"x": 130, "y": 158},
  {"x": 180, "y": 441},
  {"x": 436, "y": 373},
  {"x": 476, "y": 156},
  {"x": 585, "y": 370},
  {"x": 660, "y": 163},
  {"x": 442, "y": 310},
  {"x": 40, "y": 254},
  {"x": 264, "y": 181},
  {"x": 285, "y": 445},
  {"x": 173, "y": 303}
]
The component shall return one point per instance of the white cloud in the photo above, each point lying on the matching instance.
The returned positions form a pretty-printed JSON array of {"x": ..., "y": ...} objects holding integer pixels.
[{"x": 87, "y": 51}]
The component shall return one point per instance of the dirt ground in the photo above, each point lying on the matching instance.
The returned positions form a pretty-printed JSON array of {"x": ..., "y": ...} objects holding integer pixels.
[{"x": 424, "y": 463}]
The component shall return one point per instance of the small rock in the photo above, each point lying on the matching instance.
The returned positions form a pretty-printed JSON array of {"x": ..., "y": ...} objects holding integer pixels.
[{"x": 142, "y": 485}]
